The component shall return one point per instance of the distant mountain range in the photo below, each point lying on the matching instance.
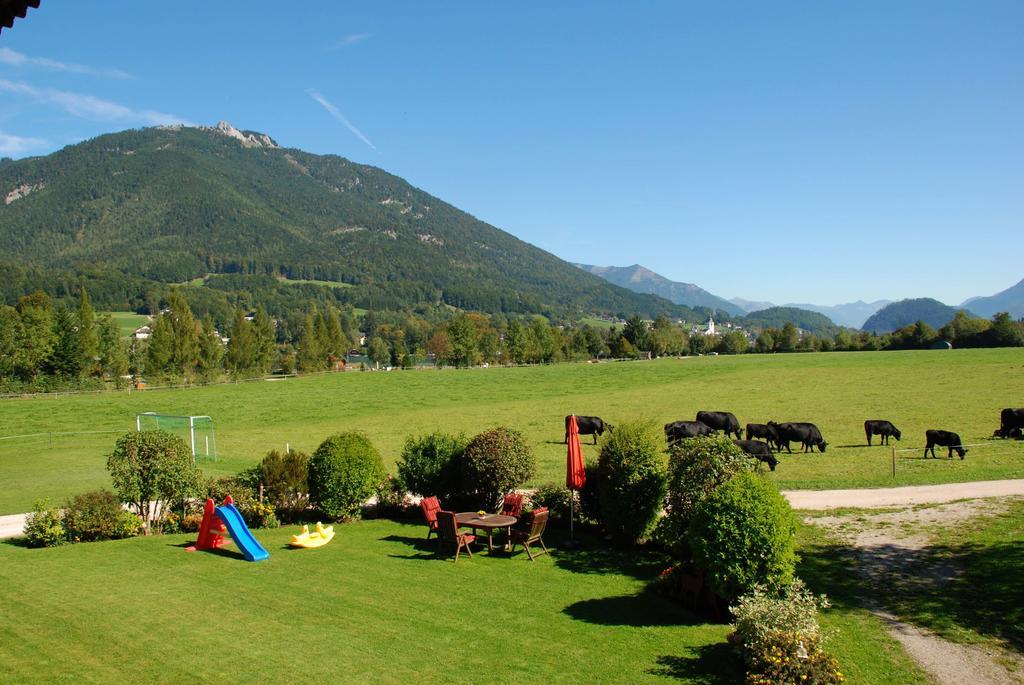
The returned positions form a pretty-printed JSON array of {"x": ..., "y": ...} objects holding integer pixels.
[
  {"x": 1010, "y": 300},
  {"x": 643, "y": 280},
  {"x": 851, "y": 314}
]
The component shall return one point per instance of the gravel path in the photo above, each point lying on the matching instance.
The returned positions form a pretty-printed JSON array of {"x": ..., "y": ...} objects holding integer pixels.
[{"x": 874, "y": 498}]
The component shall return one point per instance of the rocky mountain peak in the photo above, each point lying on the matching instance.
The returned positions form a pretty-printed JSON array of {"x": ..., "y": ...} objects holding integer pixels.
[{"x": 247, "y": 138}]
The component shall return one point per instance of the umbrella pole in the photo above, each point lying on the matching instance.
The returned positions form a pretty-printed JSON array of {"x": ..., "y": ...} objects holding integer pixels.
[{"x": 572, "y": 496}]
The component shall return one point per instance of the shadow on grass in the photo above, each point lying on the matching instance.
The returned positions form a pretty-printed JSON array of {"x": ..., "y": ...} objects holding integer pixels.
[
  {"x": 715, "y": 664},
  {"x": 642, "y": 610},
  {"x": 596, "y": 556},
  {"x": 16, "y": 542}
]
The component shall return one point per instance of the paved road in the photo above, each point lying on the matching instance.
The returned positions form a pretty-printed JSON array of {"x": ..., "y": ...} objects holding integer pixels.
[{"x": 873, "y": 498}]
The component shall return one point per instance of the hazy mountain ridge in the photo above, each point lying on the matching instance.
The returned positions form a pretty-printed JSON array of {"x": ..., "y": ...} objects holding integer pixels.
[
  {"x": 905, "y": 312},
  {"x": 642, "y": 280},
  {"x": 1010, "y": 300}
]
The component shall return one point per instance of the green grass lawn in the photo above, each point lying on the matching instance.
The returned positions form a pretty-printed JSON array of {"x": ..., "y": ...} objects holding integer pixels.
[
  {"x": 128, "y": 322},
  {"x": 375, "y": 605},
  {"x": 960, "y": 390}
]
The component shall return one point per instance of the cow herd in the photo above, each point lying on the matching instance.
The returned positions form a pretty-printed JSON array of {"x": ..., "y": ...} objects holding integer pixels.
[{"x": 776, "y": 436}]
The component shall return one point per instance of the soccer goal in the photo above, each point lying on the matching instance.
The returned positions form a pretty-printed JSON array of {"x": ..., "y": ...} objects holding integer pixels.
[{"x": 197, "y": 431}]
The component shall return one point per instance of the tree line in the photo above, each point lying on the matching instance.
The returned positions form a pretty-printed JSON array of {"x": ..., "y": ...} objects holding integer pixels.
[{"x": 47, "y": 345}]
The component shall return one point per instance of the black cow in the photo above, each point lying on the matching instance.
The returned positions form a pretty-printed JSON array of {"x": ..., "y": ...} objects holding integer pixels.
[
  {"x": 1011, "y": 423},
  {"x": 721, "y": 421},
  {"x": 881, "y": 428},
  {"x": 796, "y": 431},
  {"x": 758, "y": 449},
  {"x": 680, "y": 430},
  {"x": 588, "y": 425},
  {"x": 763, "y": 430},
  {"x": 943, "y": 439}
]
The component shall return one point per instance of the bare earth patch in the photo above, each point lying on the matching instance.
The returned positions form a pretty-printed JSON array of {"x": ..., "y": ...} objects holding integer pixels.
[{"x": 890, "y": 548}]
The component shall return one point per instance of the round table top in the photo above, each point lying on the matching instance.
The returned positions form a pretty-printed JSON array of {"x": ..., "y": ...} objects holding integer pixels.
[{"x": 472, "y": 518}]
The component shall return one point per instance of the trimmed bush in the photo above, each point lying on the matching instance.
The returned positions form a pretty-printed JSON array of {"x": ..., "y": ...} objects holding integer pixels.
[
  {"x": 284, "y": 479},
  {"x": 151, "y": 470},
  {"x": 631, "y": 481},
  {"x": 495, "y": 462},
  {"x": 98, "y": 515},
  {"x": 344, "y": 471},
  {"x": 430, "y": 465},
  {"x": 743, "y": 535},
  {"x": 696, "y": 468},
  {"x": 44, "y": 527}
]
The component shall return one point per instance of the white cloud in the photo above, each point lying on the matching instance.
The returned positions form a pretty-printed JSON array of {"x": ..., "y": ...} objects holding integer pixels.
[
  {"x": 17, "y": 59},
  {"x": 16, "y": 146},
  {"x": 90, "y": 106},
  {"x": 334, "y": 112},
  {"x": 352, "y": 39}
]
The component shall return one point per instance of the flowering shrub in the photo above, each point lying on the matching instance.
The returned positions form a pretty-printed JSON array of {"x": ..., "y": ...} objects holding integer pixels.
[
  {"x": 44, "y": 527},
  {"x": 554, "y": 497},
  {"x": 760, "y": 613},
  {"x": 788, "y": 658},
  {"x": 779, "y": 637}
]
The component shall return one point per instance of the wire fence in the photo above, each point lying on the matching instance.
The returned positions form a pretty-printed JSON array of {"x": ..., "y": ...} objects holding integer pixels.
[{"x": 896, "y": 452}]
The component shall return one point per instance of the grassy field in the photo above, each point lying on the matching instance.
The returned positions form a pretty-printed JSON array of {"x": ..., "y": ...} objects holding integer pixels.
[
  {"x": 960, "y": 390},
  {"x": 374, "y": 606},
  {"x": 127, "y": 322}
]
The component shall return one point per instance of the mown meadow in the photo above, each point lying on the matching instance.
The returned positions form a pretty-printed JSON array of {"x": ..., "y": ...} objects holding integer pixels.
[{"x": 959, "y": 390}]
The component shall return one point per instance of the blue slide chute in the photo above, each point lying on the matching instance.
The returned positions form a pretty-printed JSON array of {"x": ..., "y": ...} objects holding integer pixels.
[{"x": 241, "y": 534}]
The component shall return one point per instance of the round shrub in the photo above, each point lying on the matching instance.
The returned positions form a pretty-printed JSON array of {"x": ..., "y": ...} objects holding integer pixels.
[
  {"x": 696, "y": 468},
  {"x": 743, "y": 535},
  {"x": 631, "y": 481},
  {"x": 344, "y": 471},
  {"x": 495, "y": 462},
  {"x": 44, "y": 527},
  {"x": 430, "y": 465},
  {"x": 98, "y": 515}
]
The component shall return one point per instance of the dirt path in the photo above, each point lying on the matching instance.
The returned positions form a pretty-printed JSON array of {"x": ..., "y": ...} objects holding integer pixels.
[
  {"x": 890, "y": 549},
  {"x": 874, "y": 498}
]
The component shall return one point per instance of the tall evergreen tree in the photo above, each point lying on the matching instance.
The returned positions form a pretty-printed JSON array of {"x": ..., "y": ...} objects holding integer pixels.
[
  {"x": 160, "y": 347},
  {"x": 186, "y": 333},
  {"x": 88, "y": 340},
  {"x": 241, "y": 352},
  {"x": 112, "y": 350},
  {"x": 36, "y": 338},
  {"x": 65, "y": 360},
  {"x": 308, "y": 356},
  {"x": 264, "y": 341},
  {"x": 211, "y": 349}
]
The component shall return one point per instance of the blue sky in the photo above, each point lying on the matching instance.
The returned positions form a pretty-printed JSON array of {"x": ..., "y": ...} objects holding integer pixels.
[{"x": 803, "y": 151}]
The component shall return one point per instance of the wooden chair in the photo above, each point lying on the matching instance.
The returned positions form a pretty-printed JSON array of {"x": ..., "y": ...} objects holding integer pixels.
[
  {"x": 535, "y": 533},
  {"x": 430, "y": 507},
  {"x": 448, "y": 534},
  {"x": 513, "y": 505}
]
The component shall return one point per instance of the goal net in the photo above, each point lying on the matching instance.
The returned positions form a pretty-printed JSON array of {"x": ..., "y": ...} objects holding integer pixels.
[{"x": 197, "y": 431}]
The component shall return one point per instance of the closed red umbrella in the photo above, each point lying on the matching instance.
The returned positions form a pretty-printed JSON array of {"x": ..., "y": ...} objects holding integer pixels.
[{"x": 575, "y": 475}]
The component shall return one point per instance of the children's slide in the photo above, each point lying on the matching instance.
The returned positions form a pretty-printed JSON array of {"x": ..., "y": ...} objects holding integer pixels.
[{"x": 241, "y": 534}]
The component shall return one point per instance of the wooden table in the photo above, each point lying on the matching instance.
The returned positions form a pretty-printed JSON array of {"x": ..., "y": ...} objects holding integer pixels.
[{"x": 485, "y": 522}]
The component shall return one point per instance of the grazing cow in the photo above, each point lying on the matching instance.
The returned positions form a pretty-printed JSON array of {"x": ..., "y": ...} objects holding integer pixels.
[
  {"x": 943, "y": 439},
  {"x": 680, "y": 430},
  {"x": 758, "y": 449},
  {"x": 1011, "y": 423},
  {"x": 763, "y": 430},
  {"x": 882, "y": 428},
  {"x": 721, "y": 421},
  {"x": 806, "y": 434},
  {"x": 588, "y": 425}
]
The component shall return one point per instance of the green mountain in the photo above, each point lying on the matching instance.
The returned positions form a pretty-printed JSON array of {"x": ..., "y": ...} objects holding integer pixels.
[
  {"x": 642, "y": 280},
  {"x": 905, "y": 312},
  {"x": 1010, "y": 300},
  {"x": 131, "y": 212},
  {"x": 776, "y": 317}
]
